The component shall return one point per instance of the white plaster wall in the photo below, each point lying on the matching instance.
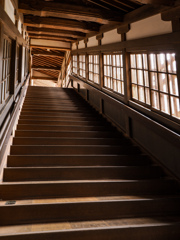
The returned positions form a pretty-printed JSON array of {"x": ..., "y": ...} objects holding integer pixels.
[
  {"x": 81, "y": 44},
  {"x": 92, "y": 42},
  {"x": 148, "y": 27},
  {"x": 111, "y": 37},
  {"x": 9, "y": 9},
  {"x": 50, "y": 43},
  {"x": 74, "y": 46}
]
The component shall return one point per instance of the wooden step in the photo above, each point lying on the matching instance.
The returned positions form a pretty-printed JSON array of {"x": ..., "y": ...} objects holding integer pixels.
[
  {"x": 86, "y": 211},
  {"x": 61, "y": 118},
  {"x": 81, "y": 160},
  {"x": 72, "y": 149},
  {"x": 66, "y": 189},
  {"x": 70, "y": 141},
  {"x": 53, "y": 133},
  {"x": 62, "y": 123},
  {"x": 81, "y": 173},
  {"x": 61, "y": 128},
  {"x": 164, "y": 228}
]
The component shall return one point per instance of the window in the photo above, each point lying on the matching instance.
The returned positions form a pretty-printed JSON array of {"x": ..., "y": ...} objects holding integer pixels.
[
  {"x": 154, "y": 81},
  {"x": 6, "y": 69},
  {"x": 94, "y": 68},
  {"x": 75, "y": 64},
  {"x": 82, "y": 66},
  {"x": 113, "y": 72}
]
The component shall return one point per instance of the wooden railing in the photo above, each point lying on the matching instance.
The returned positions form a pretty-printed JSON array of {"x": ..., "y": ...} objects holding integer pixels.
[
  {"x": 8, "y": 123},
  {"x": 160, "y": 141}
]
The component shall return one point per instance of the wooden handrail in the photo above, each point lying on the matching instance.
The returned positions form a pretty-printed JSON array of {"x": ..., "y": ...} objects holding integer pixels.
[{"x": 14, "y": 114}]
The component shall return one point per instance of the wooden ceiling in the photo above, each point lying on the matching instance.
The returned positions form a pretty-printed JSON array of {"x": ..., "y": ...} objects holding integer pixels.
[{"x": 72, "y": 20}]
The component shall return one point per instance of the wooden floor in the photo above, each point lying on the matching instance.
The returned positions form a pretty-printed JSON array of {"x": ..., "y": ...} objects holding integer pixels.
[{"x": 71, "y": 175}]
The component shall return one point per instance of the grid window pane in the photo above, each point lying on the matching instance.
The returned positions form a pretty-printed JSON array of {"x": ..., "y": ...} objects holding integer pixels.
[
  {"x": 82, "y": 66},
  {"x": 155, "y": 99},
  {"x": 152, "y": 62},
  {"x": 173, "y": 85},
  {"x": 113, "y": 72},
  {"x": 74, "y": 64},
  {"x": 161, "y": 58},
  {"x": 175, "y": 106},
  {"x": 163, "y": 82},
  {"x": 165, "y": 103},
  {"x": 94, "y": 68}
]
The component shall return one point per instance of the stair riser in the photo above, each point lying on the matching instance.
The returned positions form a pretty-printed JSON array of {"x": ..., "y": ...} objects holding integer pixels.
[
  {"x": 71, "y": 150},
  {"x": 69, "y": 141},
  {"x": 37, "y": 161},
  {"x": 87, "y": 189},
  {"x": 62, "y": 128},
  {"x": 53, "y": 174},
  {"x": 166, "y": 232},
  {"x": 85, "y": 211},
  {"x": 80, "y": 134},
  {"x": 61, "y": 123}
]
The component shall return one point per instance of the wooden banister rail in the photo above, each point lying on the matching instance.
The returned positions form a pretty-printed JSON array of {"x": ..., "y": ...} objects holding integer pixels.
[{"x": 13, "y": 116}]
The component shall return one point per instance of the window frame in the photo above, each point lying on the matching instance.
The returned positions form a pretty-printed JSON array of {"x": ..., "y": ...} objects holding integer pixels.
[
  {"x": 93, "y": 63},
  {"x": 83, "y": 63},
  {"x": 114, "y": 66},
  {"x": 151, "y": 89}
]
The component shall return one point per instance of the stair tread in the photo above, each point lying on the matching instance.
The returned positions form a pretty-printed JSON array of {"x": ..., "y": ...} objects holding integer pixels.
[{"x": 84, "y": 225}]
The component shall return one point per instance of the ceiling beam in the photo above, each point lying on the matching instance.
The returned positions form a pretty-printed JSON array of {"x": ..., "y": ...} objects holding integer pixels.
[
  {"x": 68, "y": 11},
  {"x": 158, "y": 2},
  {"x": 46, "y": 68},
  {"x": 49, "y": 47},
  {"x": 51, "y": 37},
  {"x": 56, "y": 32},
  {"x": 58, "y": 23},
  {"x": 44, "y": 78},
  {"x": 48, "y": 54}
]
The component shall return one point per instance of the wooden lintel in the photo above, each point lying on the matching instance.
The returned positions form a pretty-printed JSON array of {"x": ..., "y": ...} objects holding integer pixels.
[
  {"x": 68, "y": 11},
  {"x": 63, "y": 24},
  {"x": 86, "y": 40},
  {"x": 123, "y": 29},
  {"x": 46, "y": 68},
  {"x": 100, "y": 36}
]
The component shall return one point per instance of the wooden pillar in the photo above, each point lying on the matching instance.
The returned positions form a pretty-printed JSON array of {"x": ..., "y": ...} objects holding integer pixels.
[
  {"x": 101, "y": 70},
  {"x": 126, "y": 63},
  {"x": 2, "y": 2},
  {"x": 13, "y": 66},
  {"x": 1, "y": 54},
  {"x": 87, "y": 60},
  {"x": 20, "y": 64}
]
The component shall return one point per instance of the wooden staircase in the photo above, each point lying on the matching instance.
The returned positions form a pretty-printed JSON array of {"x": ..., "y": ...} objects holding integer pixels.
[{"x": 71, "y": 175}]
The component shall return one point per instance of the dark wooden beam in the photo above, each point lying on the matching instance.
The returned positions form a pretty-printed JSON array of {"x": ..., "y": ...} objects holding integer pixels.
[
  {"x": 48, "y": 54},
  {"x": 68, "y": 11},
  {"x": 171, "y": 14},
  {"x": 50, "y": 47},
  {"x": 157, "y": 2},
  {"x": 44, "y": 78},
  {"x": 46, "y": 68},
  {"x": 63, "y": 24},
  {"x": 56, "y": 32},
  {"x": 52, "y": 37}
]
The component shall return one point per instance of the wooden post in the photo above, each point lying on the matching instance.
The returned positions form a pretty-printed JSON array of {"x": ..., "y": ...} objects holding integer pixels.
[
  {"x": 2, "y": 3},
  {"x": 87, "y": 60},
  {"x": 1, "y": 55},
  {"x": 101, "y": 70},
  {"x": 13, "y": 66}
]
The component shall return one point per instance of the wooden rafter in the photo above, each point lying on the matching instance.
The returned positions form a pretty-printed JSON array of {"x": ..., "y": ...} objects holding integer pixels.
[
  {"x": 44, "y": 78},
  {"x": 157, "y": 2},
  {"x": 51, "y": 37},
  {"x": 56, "y": 32},
  {"x": 69, "y": 11},
  {"x": 58, "y": 23},
  {"x": 58, "y": 69},
  {"x": 45, "y": 53}
]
